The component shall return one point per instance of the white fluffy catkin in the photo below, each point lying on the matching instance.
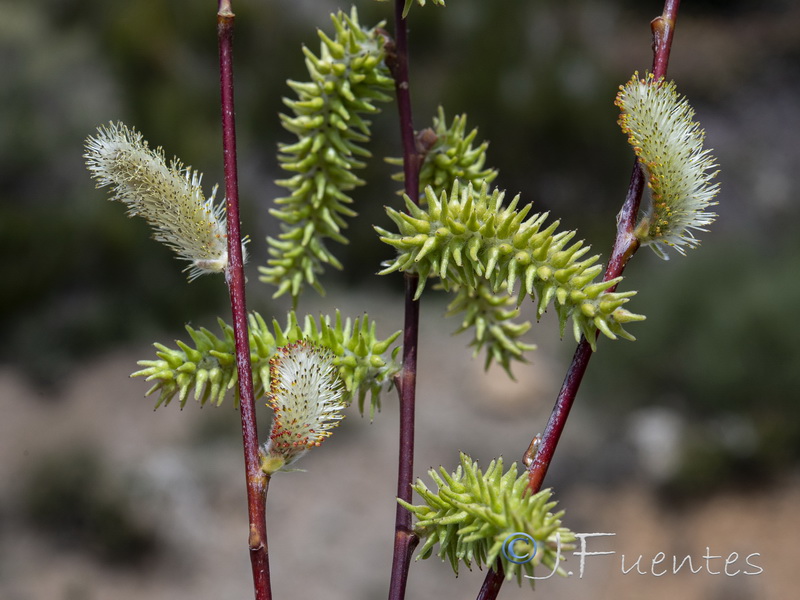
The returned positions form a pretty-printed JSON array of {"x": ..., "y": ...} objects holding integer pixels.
[{"x": 169, "y": 198}]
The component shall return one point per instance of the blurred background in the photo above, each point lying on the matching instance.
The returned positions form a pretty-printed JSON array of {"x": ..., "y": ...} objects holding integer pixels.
[{"x": 686, "y": 442}]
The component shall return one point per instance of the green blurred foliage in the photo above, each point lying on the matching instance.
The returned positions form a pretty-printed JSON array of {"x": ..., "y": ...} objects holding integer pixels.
[{"x": 71, "y": 498}]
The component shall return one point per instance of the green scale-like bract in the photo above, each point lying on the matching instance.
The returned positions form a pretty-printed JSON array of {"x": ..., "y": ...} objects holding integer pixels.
[
  {"x": 472, "y": 513},
  {"x": 364, "y": 362},
  {"x": 468, "y": 237},
  {"x": 346, "y": 80}
]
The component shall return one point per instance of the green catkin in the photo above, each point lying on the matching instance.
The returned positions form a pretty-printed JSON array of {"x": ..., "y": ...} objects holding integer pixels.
[
  {"x": 347, "y": 79},
  {"x": 472, "y": 513},
  {"x": 451, "y": 154},
  {"x": 467, "y": 238},
  {"x": 491, "y": 319}
]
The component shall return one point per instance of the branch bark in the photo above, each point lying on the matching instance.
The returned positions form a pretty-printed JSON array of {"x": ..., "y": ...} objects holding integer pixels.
[
  {"x": 405, "y": 540},
  {"x": 257, "y": 482}
]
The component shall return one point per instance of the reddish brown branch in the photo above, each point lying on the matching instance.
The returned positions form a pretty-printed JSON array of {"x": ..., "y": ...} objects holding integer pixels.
[
  {"x": 625, "y": 246},
  {"x": 256, "y": 480},
  {"x": 404, "y": 538},
  {"x": 663, "y": 29}
]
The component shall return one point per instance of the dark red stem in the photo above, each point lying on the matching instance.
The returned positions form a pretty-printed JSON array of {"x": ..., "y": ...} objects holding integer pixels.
[
  {"x": 257, "y": 482},
  {"x": 625, "y": 246},
  {"x": 404, "y": 538},
  {"x": 663, "y": 28}
]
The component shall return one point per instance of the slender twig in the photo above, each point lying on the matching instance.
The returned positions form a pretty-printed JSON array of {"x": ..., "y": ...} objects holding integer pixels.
[
  {"x": 625, "y": 246},
  {"x": 663, "y": 28},
  {"x": 404, "y": 538},
  {"x": 257, "y": 482}
]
